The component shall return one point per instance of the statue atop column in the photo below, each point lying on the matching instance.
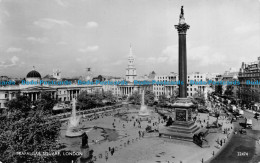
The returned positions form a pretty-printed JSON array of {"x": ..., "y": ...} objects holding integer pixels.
[
  {"x": 182, "y": 26},
  {"x": 182, "y": 19},
  {"x": 182, "y": 13}
]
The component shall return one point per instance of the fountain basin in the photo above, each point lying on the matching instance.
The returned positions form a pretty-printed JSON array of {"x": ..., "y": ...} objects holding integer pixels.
[
  {"x": 71, "y": 134},
  {"x": 76, "y": 133}
]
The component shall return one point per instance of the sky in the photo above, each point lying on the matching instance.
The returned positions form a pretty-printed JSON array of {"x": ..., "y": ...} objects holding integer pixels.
[{"x": 75, "y": 34}]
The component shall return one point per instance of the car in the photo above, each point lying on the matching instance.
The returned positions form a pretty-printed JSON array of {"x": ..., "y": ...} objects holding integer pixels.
[
  {"x": 248, "y": 123},
  {"x": 203, "y": 111},
  {"x": 243, "y": 131}
]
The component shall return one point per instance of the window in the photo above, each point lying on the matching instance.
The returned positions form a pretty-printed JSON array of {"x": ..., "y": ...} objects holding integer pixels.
[
  {"x": 190, "y": 89},
  {"x": 5, "y": 95}
]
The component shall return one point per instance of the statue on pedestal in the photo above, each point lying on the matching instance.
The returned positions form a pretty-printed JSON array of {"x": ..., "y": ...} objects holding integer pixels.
[
  {"x": 182, "y": 19},
  {"x": 84, "y": 142},
  {"x": 182, "y": 13}
]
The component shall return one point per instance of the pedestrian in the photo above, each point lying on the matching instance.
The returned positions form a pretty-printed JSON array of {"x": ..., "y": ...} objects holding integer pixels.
[
  {"x": 106, "y": 155},
  {"x": 113, "y": 151},
  {"x": 221, "y": 142}
]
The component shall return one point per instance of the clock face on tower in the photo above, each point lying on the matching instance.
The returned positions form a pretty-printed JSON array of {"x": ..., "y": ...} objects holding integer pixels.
[{"x": 180, "y": 115}]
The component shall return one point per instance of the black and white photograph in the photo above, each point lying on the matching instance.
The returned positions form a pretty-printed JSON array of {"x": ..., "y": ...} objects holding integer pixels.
[{"x": 129, "y": 81}]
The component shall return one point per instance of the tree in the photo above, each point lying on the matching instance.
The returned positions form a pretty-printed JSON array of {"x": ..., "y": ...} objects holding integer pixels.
[
  {"x": 149, "y": 97},
  {"x": 46, "y": 102},
  {"x": 162, "y": 99},
  {"x": 135, "y": 98},
  {"x": 229, "y": 90},
  {"x": 87, "y": 100},
  {"x": 218, "y": 89},
  {"x": 109, "y": 97},
  {"x": 174, "y": 96},
  {"x": 28, "y": 129},
  {"x": 199, "y": 98}
]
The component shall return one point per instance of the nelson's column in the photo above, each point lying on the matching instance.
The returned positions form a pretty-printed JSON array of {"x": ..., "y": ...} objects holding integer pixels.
[{"x": 182, "y": 127}]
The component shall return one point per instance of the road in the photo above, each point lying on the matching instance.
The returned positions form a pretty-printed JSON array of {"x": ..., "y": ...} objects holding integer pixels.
[{"x": 241, "y": 148}]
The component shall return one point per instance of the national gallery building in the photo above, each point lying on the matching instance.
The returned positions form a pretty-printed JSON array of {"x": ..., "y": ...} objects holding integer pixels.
[{"x": 33, "y": 91}]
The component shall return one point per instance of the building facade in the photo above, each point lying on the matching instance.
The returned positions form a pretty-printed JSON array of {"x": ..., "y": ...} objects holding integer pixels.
[{"x": 249, "y": 77}]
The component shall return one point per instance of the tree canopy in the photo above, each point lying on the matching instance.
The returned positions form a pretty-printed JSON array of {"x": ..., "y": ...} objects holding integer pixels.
[
  {"x": 24, "y": 128},
  {"x": 135, "y": 98},
  {"x": 149, "y": 97},
  {"x": 87, "y": 100}
]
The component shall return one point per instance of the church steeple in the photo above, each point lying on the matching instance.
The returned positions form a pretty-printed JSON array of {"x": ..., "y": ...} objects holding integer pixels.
[
  {"x": 131, "y": 51},
  {"x": 130, "y": 70}
]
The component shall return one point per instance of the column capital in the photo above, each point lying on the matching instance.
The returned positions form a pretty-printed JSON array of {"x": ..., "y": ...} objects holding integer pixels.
[{"x": 182, "y": 28}]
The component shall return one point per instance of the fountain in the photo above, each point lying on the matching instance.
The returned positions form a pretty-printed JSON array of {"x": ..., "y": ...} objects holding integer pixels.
[
  {"x": 144, "y": 113},
  {"x": 73, "y": 129}
]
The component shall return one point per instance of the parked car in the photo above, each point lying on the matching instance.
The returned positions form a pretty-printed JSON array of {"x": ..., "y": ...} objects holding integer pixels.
[
  {"x": 249, "y": 123},
  {"x": 243, "y": 131}
]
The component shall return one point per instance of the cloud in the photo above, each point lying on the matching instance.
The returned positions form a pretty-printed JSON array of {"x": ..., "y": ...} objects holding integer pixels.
[
  {"x": 202, "y": 56},
  {"x": 62, "y": 43},
  {"x": 247, "y": 28},
  {"x": 62, "y": 3},
  {"x": 37, "y": 39},
  {"x": 14, "y": 59},
  {"x": 48, "y": 23},
  {"x": 206, "y": 56},
  {"x": 13, "y": 50},
  {"x": 168, "y": 55},
  {"x": 11, "y": 62},
  {"x": 118, "y": 62},
  {"x": 85, "y": 59},
  {"x": 89, "y": 49},
  {"x": 92, "y": 24},
  {"x": 78, "y": 59}
]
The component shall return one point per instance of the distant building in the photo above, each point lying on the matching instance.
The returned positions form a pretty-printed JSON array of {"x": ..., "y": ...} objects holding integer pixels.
[
  {"x": 162, "y": 89},
  {"x": 231, "y": 76},
  {"x": 89, "y": 74},
  {"x": 192, "y": 89},
  {"x": 249, "y": 77},
  {"x": 152, "y": 75},
  {"x": 33, "y": 91},
  {"x": 56, "y": 74}
]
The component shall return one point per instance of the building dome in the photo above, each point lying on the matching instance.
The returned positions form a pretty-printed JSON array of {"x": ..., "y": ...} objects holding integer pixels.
[{"x": 33, "y": 74}]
